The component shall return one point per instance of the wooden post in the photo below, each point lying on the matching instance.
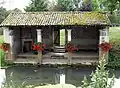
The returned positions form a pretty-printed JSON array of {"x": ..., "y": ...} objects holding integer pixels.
[
  {"x": 39, "y": 40},
  {"x": 69, "y": 40},
  {"x": 104, "y": 36},
  {"x": 11, "y": 34}
]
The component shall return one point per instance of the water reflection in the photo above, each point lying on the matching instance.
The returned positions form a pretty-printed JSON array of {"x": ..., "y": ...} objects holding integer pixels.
[
  {"x": 2, "y": 76},
  {"x": 33, "y": 75},
  {"x": 36, "y": 76}
]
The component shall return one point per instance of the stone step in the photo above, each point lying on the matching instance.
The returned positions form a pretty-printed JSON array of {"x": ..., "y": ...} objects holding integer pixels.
[
  {"x": 59, "y": 47},
  {"x": 59, "y": 50},
  {"x": 29, "y": 55},
  {"x": 32, "y": 56},
  {"x": 26, "y": 61}
]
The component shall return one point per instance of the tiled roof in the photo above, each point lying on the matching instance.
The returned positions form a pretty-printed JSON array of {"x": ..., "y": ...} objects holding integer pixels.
[{"x": 56, "y": 18}]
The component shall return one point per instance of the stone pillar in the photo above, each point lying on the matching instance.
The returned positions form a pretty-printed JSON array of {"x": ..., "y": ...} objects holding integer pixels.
[
  {"x": 69, "y": 35},
  {"x": 104, "y": 36},
  {"x": 11, "y": 34},
  {"x": 39, "y": 40},
  {"x": 69, "y": 40},
  {"x": 39, "y": 35}
]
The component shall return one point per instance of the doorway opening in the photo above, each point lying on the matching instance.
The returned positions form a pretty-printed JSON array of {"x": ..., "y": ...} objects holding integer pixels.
[
  {"x": 62, "y": 37},
  {"x": 59, "y": 37}
]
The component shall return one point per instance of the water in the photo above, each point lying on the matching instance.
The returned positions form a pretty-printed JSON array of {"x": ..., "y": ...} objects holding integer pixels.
[
  {"x": 2, "y": 76},
  {"x": 35, "y": 76}
]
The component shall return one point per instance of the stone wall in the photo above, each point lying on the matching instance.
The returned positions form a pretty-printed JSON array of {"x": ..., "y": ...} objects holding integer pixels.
[
  {"x": 85, "y": 37},
  {"x": 16, "y": 40},
  {"x": 47, "y": 36}
]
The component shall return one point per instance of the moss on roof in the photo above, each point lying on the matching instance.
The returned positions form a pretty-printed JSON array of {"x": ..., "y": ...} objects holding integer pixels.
[{"x": 56, "y": 18}]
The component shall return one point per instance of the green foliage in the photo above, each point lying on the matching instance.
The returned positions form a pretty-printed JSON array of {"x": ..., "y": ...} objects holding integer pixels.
[
  {"x": 99, "y": 78},
  {"x": 63, "y": 5},
  {"x": 96, "y": 5},
  {"x": 72, "y": 5},
  {"x": 2, "y": 54},
  {"x": 114, "y": 54},
  {"x": 2, "y": 58},
  {"x": 62, "y": 37},
  {"x": 111, "y": 5},
  {"x": 85, "y": 82},
  {"x": 37, "y": 5},
  {"x": 114, "y": 60},
  {"x": 3, "y": 14},
  {"x": 106, "y": 5},
  {"x": 115, "y": 18},
  {"x": 86, "y": 6}
]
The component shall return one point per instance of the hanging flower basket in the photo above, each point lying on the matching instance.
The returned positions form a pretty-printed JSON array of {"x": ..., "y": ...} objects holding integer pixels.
[
  {"x": 105, "y": 46},
  {"x": 38, "y": 46},
  {"x": 70, "y": 47}
]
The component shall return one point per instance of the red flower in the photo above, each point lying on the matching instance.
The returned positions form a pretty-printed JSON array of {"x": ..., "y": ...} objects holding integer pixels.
[
  {"x": 70, "y": 47},
  {"x": 3, "y": 47},
  {"x": 105, "y": 46},
  {"x": 38, "y": 46}
]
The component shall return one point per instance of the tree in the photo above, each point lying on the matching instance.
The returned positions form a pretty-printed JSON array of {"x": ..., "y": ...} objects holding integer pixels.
[
  {"x": 86, "y": 6},
  {"x": 63, "y": 5},
  {"x": 3, "y": 14},
  {"x": 96, "y": 5},
  {"x": 106, "y": 5},
  {"x": 16, "y": 10},
  {"x": 37, "y": 5},
  {"x": 73, "y": 5},
  {"x": 111, "y": 5}
]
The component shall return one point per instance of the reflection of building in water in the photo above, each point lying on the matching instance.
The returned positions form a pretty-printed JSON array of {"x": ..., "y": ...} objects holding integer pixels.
[{"x": 2, "y": 76}]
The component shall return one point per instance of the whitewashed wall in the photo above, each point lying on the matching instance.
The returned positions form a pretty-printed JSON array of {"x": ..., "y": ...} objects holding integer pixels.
[{"x": 6, "y": 34}]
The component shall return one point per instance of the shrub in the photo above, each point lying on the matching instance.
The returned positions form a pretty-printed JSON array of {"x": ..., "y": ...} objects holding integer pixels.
[
  {"x": 114, "y": 55},
  {"x": 99, "y": 79},
  {"x": 2, "y": 58}
]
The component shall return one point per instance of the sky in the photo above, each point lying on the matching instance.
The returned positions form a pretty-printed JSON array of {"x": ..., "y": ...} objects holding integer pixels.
[{"x": 11, "y": 4}]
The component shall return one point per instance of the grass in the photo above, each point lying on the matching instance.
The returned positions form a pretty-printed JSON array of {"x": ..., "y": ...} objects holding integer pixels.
[
  {"x": 114, "y": 34},
  {"x": 1, "y": 38}
]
